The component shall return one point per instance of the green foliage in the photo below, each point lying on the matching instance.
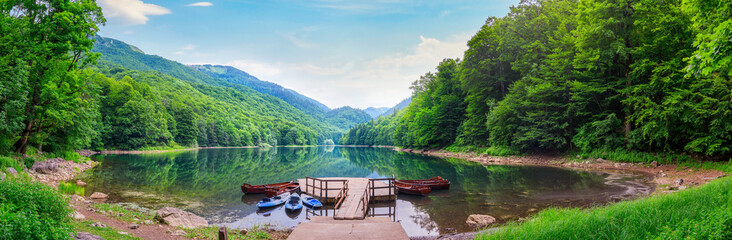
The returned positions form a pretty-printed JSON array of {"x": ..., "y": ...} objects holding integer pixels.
[
  {"x": 697, "y": 213},
  {"x": 32, "y": 210},
  {"x": 70, "y": 188},
  {"x": 6, "y": 162},
  {"x": 598, "y": 75}
]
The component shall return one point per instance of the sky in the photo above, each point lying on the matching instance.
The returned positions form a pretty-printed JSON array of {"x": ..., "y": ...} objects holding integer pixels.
[{"x": 358, "y": 53}]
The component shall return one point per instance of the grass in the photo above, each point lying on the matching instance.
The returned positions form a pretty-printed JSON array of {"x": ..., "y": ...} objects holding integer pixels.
[
  {"x": 106, "y": 233},
  {"x": 492, "y": 151},
  {"x": 253, "y": 233},
  {"x": 70, "y": 188},
  {"x": 685, "y": 214},
  {"x": 645, "y": 157},
  {"x": 124, "y": 212}
]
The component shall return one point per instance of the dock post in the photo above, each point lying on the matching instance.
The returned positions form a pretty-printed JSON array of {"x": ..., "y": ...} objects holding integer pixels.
[{"x": 223, "y": 234}]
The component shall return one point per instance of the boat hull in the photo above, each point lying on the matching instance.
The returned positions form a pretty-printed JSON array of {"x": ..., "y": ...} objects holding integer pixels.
[
  {"x": 311, "y": 202},
  {"x": 248, "y": 188},
  {"x": 433, "y": 183},
  {"x": 273, "y": 201},
  {"x": 289, "y": 188},
  {"x": 413, "y": 189}
]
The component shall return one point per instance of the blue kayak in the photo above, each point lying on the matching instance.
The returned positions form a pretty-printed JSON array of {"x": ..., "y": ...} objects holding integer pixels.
[
  {"x": 273, "y": 201},
  {"x": 311, "y": 202},
  {"x": 294, "y": 203}
]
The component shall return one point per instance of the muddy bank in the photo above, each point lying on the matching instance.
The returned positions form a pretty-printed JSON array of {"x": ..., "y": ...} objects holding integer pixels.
[{"x": 667, "y": 177}]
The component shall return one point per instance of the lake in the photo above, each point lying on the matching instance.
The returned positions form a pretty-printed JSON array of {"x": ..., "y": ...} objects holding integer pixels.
[{"x": 207, "y": 182}]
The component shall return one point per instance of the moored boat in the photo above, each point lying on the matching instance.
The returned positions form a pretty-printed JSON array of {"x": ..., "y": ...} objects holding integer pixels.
[
  {"x": 310, "y": 201},
  {"x": 273, "y": 201},
  {"x": 248, "y": 188},
  {"x": 289, "y": 188},
  {"x": 433, "y": 183},
  {"x": 294, "y": 203},
  {"x": 412, "y": 189}
]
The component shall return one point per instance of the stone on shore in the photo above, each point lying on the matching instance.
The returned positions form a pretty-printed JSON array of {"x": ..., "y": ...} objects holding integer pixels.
[
  {"x": 78, "y": 216},
  {"x": 80, "y": 183},
  {"x": 98, "y": 195},
  {"x": 87, "y": 236},
  {"x": 680, "y": 182},
  {"x": 47, "y": 166},
  {"x": 11, "y": 171},
  {"x": 134, "y": 226},
  {"x": 98, "y": 224},
  {"x": 655, "y": 164},
  {"x": 179, "y": 218},
  {"x": 479, "y": 220},
  {"x": 179, "y": 233}
]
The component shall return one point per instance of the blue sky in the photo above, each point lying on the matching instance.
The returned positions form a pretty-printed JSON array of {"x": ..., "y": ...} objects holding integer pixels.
[{"x": 360, "y": 53}]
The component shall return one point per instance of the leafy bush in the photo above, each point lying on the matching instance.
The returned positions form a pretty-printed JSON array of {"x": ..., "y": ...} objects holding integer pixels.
[
  {"x": 31, "y": 210},
  {"x": 6, "y": 162}
]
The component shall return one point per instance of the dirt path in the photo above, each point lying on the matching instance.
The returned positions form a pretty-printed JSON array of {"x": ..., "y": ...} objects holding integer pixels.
[
  {"x": 666, "y": 177},
  {"x": 153, "y": 231}
]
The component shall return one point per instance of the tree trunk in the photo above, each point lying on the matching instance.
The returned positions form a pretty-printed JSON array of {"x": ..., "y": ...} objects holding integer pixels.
[{"x": 22, "y": 144}]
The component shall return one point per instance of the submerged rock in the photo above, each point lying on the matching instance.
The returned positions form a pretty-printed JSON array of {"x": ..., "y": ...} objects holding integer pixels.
[
  {"x": 176, "y": 217},
  {"x": 98, "y": 195},
  {"x": 479, "y": 220}
]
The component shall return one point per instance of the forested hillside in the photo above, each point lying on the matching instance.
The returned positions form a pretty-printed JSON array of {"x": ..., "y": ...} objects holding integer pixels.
[
  {"x": 596, "y": 75},
  {"x": 234, "y": 75}
]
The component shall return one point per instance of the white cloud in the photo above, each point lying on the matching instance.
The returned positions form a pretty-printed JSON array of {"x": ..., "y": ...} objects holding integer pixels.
[
  {"x": 131, "y": 12},
  {"x": 189, "y": 47},
  {"x": 179, "y": 53},
  {"x": 200, "y": 4},
  {"x": 381, "y": 81},
  {"x": 128, "y": 32}
]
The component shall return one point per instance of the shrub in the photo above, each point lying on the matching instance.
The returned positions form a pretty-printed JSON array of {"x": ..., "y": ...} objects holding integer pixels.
[
  {"x": 31, "y": 210},
  {"x": 6, "y": 162}
]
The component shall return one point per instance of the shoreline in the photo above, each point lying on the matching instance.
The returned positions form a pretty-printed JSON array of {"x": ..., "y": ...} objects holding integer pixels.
[{"x": 667, "y": 177}]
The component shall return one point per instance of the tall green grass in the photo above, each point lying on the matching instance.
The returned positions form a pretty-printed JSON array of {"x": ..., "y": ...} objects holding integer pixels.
[
  {"x": 685, "y": 214},
  {"x": 32, "y": 210}
]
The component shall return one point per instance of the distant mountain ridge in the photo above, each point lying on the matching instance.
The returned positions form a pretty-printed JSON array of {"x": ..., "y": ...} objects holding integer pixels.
[
  {"x": 376, "y": 112},
  {"x": 238, "y": 76}
]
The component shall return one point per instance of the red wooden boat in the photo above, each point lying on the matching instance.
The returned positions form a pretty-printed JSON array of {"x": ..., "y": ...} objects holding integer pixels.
[
  {"x": 433, "y": 183},
  {"x": 274, "y": 191},
  {"x": 248, "y": 188},
  {"x": 407, "y": 188}
]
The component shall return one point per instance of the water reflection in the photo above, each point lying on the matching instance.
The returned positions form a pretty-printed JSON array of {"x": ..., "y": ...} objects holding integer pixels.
[{"x": 207, "y": 182}]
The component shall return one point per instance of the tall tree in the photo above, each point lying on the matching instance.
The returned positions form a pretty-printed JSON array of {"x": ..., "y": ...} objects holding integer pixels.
[{"x": 54, "y": 37}]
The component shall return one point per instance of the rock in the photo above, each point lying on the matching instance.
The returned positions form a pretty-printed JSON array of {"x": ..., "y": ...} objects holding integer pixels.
[
  {"x": 47, "y": 166},
  {"x": 479, "y": 220},
  {"x": 98, "y": 224},
  {"x": 663, "y": 175},
  {"x": 11, "y": 171},
  {"x": 87, "y": 236},
  {"x": 599, "y": 160},
  {"x": 179, "y": 218},
  {"x": 682, "y": 187},
  {"x": 134, "y": 226},
  {"x": 655, "y": 164},
  {"x": 78, "y": 216},
  {"x": 123, "y": 232},
  {"x": 98, "y": 195},
  {"x": 77, "y": 198},
  {"x": 578, "y": 156},
  {"x": 149, "y": 222},
  {"x": 2, "y": 176},
  {"x": 179, "y": 233},
  {"x": 243, "y": 231},
  {"x": 80, "y": 183},
  {"x": 679, "y": 182}
]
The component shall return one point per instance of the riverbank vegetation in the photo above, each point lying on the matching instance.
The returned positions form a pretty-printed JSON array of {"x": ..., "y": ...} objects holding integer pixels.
[
  {"x": 29, "y": 208},
  {"x": 704, "y": 212},
  {"x": 599, "y": 78}
]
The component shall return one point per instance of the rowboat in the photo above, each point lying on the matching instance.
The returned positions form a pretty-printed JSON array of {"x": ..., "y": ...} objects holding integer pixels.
[
  {"x": 311, "y": 201},
  {"x": 289, "y": 188},
  {"x": 433, "y": 183},
  {"x": 412, "y": 189},
  {"x": 294, "y": 203},
  {"x": 273, "y": 201},
  {"x": 248, "y": 188}
]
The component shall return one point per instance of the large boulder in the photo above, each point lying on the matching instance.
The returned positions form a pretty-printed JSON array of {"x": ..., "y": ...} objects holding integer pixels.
[
  {"x": 11, "y": 171},
  {"x": 98, "y": 195},
  {"x": 479, "y": 220},
  {"x": 47, "y": 166},
  {"x": 87, "y": 236},
  {"x": 176, "y": 217}
]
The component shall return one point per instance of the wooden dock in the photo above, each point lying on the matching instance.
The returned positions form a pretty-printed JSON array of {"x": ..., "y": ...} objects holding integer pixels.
[
  {"x": 351, "y": 196},
  {"x": 381, "y": 228}
]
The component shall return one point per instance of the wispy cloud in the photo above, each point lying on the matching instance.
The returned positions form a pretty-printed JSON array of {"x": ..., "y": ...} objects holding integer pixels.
[
  {"x": 131, "y": 12},
  {"x": 200, "y": 4},
  {"x": 189, "y": 47}
]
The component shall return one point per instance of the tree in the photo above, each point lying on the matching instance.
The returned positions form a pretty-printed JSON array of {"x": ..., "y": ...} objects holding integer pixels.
[{"x": 52, "y": 38}]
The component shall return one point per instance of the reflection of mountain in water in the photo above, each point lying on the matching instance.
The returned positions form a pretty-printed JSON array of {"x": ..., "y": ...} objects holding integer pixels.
[{"x": 208, "y": 181}]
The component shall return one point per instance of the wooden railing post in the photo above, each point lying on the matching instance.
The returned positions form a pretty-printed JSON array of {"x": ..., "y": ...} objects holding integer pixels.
[{"x": 223, "y": 234}]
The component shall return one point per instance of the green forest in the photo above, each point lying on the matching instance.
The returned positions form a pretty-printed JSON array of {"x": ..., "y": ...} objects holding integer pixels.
[
  {"x": 590, "y": 76},
  {"x": 66, "y": 88}
]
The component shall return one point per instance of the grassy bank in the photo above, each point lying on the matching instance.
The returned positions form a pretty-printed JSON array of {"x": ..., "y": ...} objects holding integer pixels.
[{"x": 699, "y": 213}]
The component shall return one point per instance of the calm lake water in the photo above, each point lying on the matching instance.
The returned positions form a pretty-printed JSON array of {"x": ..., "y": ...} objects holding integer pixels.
[{"x": 207, "y": 182}]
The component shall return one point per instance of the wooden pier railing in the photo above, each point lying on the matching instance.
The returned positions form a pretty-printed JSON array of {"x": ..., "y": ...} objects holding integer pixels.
[{"x": 322, "y": 192}]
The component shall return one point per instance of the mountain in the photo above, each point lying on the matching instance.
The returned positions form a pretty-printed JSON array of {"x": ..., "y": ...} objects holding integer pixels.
[
  {"x": 231, "y": 111},
  {"x": 347, "y": 117},
  {"x": 376, "y": 112},
  {"x": 234, "y": 75},
  {"x": 401, "y": 105}
]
